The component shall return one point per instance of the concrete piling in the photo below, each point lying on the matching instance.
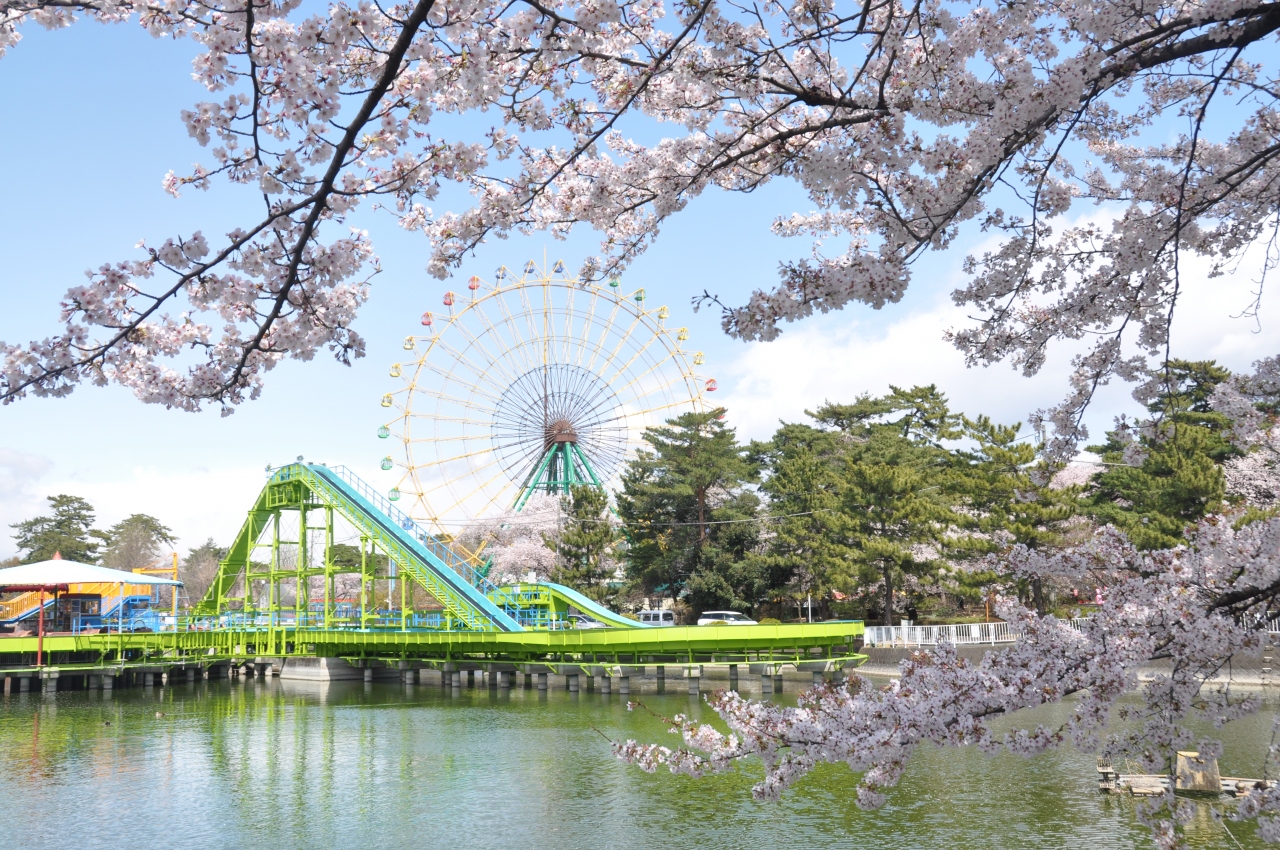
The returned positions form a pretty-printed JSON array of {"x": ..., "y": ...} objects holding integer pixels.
[
  {"x": 661, "y": 673},
  {"x": 368, "y": 675},
  {"x": 817, "y": 679},
  {"x": 604, "y": 685},
  {"x": 766, "y": 683},
  {"x": 733, "y": 677},
  {"x": 624, "y": 685},
  {"x": 148, "y": 680},
  {"x": 542, "y": 681},
  {"x": 694, "y": 682},
  {"x": 571, "y": 679}
]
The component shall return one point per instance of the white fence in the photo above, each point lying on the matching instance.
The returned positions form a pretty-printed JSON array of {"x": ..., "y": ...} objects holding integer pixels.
[{"x": 959, "y": 634}]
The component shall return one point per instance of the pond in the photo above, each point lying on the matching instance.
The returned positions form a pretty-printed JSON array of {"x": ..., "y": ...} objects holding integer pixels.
[{"x": 347, "y": 765}]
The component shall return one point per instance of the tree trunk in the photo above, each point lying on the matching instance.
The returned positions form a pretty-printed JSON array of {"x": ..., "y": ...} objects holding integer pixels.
[
  {"x": 702, "y": 516},
  {"x": 1037, "y": 594},
  {"x": 888, "y": 596}
]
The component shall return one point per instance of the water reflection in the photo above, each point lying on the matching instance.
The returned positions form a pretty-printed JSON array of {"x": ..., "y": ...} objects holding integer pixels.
[{"x": 344, "y": 764}]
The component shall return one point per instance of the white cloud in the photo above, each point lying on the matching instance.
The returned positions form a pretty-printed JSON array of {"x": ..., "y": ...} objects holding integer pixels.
[
  {"x": 838, "y": 356},
  {"x": 19, "y": 474}
]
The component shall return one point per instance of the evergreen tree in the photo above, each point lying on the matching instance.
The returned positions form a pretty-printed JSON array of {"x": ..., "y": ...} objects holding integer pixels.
[
  {"x": 683, "y": 503},
  {"x": 69, "y": 531},
  {"x": 865, "y": 497},
  {"x": 894, "y": 514},
  {"x": 584, "y": 544},
  {"x": 1180, "y": 478},
  {"x": 1010, "y": 498},
  {"x": 136, "y": 541}
]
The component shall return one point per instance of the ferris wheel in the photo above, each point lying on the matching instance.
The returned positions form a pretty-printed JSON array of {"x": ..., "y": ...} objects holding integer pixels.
[{"x": 533, "y": 383}]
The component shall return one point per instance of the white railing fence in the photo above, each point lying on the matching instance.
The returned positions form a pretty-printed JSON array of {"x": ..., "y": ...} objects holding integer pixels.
[{"x": 957, "y": 634}]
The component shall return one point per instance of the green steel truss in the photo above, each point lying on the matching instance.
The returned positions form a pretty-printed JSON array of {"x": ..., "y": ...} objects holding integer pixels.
[{"x": 252, "y": 576}]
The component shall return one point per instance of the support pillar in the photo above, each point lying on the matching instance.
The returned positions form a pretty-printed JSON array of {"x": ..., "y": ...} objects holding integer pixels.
[
  {"x": 605, "y": 685},
  {"x": 733, "y": 677},
  {"x": 456, "y": 679},
  {"x": 368, "y": 675},
  {"x": 108, "y": 683},
  {"x": 542, "y": 681},
  {"x": 471, "y": 678},
  {"x": 571, "y": 681},
  {"x": 694, "y": 682},
  {"x": 777, "y": 682},
  {"x": 624, "y": 685},
  {"x": 817, "y": 679},
  {"x": 661, "y": 673},
  {"x": 766, "y": 683},
  {"x": 528, "y": 681},
  {"x": 24, "y": 684},
  {"x": 191, "y": 675},
  {"x": 92, "y": 681},
  {"x": 164, "y": 679},
  {"x": 148, "y": 680}
]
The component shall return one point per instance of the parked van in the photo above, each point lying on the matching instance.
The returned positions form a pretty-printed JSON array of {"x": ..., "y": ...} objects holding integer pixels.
[{"x": 658, "y": 618}]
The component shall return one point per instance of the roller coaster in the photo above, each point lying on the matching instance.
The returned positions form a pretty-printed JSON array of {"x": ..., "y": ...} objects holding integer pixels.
[{"x": 419, "y": 600}]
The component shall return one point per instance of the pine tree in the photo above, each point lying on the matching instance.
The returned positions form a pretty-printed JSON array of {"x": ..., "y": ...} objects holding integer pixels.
[
  {"x": 1010, "y": 498},
  {"x": 1180, "y": 478},
  {"x": 865, "y": 497},
  {"x": 136, "y": 541},
  {"x": 682, "y": 504},
  {"x": 68, "y": 531},
  {"x": 585, "y": 544}
]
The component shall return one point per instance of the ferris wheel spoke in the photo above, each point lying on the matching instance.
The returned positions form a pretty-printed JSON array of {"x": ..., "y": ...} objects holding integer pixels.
[
  {"x": 505, "y": 323},
  {"x": 456, "y": 420},
  {"x": 636, "y": 355},
  {"x": 636, "y": 390},
  {"x": 445, "y": 397},
  {"x": 483, "y": 488},
  {"x": 588, "y": 323},
  {"x": 598, "y": 346},
  {"x": 525, "y": 345},
  {"x": 475, "y": 340},
  {"x": 459, "y": 357}
]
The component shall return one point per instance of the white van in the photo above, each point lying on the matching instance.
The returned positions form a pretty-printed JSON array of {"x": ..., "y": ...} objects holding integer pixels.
[{"x": 658, "y": 618}]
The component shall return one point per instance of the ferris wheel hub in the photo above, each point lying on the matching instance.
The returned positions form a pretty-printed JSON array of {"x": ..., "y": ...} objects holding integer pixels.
[{"x": 560, "y": 431}]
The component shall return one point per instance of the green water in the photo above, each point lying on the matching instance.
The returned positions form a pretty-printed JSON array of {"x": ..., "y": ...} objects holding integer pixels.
[{"x": 288, "y": 764}]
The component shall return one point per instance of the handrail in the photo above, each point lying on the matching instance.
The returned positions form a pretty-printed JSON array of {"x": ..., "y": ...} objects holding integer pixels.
[
  {"x": 415, "y": 549},
  {"x": 428, "y": 540},
  {"x": 957, "y": 634}
]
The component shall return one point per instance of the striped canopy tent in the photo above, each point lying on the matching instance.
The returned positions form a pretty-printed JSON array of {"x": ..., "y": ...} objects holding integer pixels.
[{"x": 57, "y": 575}]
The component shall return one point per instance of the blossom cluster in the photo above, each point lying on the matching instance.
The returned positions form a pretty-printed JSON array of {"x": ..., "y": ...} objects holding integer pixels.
[
  {"x": 1192, "y": 608},
  {"x": 902, "y": 122}
]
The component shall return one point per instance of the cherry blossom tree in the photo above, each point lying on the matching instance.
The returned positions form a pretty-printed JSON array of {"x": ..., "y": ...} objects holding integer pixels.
[
  {"x": 517, "y": 540},
  {"x": 903, "y": 121}
]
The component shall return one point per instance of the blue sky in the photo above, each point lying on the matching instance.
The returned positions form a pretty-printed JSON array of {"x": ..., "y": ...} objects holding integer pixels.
[{"x": 90, "y": 126}]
